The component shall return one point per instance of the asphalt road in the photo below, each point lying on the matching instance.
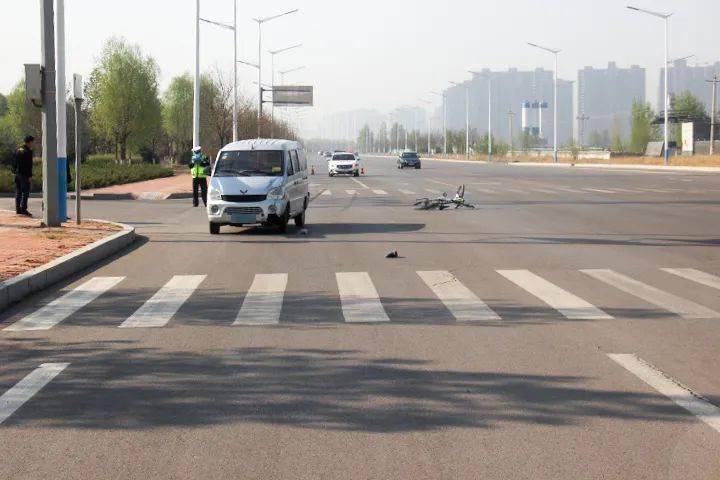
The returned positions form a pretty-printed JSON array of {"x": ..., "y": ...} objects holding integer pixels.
[{"x": 565, "y": 329}]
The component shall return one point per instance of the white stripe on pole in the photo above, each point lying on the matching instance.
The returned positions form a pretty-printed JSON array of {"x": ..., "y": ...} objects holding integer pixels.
[
  {"x": 461, "y": 301},
  {"x": 263, "y": 302},
  {"x": 359, "y": 298},
  {"x": 569, "y": 305},
  {"x": 61, "y": 308},
  {"x": 26, "y": 388},
  {"x": 158, "y": 311}
]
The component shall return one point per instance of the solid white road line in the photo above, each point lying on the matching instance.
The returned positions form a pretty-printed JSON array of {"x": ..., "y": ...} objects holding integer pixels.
[
  {"x": 61, "y": 308},
  {"x": 543, "y": 190},
  {"x": 675, "y": 391},
  {"x": 678, "y": 305},
  {"x": 26, "y": 388},
  {"x": 158, "y": 311},
  {"x": 380, "y": 192},
  {"x": 569, "y": 305},
  {"x": 406, "y": 192},
  {"x": 263, "y": 302},
  {"x": 359, "y": 298},
  {"x": 698, "y": 276},
  {"x": 599, "y": 190},
  {"x": 462, "y": 303},
  {"x": 351, "y": 192},
  {"x": 360, "y": 183}
]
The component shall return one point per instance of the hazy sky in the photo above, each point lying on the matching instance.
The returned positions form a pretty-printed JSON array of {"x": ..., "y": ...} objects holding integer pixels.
[{"x": 371, "y": 53}]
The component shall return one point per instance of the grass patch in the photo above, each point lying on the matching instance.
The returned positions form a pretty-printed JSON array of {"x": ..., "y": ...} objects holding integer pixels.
[{"x": 98, "y": 171}]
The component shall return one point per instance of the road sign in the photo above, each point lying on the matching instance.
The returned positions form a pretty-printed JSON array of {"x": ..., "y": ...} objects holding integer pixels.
[{"x": 293, "y": 96}]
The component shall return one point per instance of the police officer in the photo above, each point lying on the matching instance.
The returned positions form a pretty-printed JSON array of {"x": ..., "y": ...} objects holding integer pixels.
[
  {"x": 22, "y": 168},
  {"x": 199, "y": 168}
]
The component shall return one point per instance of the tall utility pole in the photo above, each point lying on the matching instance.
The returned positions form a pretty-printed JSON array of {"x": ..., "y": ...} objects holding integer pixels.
[
  {"x": 511, "y": 116},
  {"x": 555, "y": 52},
  {"x": 444, "y": 102},
  {"x": 429, "y": 124},
  {"x": 78, "y": 97},
  {"x": 260, "y": 22},
  {"x": 581, "y": 129},
  {"x": 666, "y": 102},
  {"x": 272, "y": 83},
  {"x": 196, "y": 79},
  {"x": 51, "y": 214},
  {"x": 285, "y": 72},
  {"x": 61, "y": 108},
  {"x": 713, "y": 109},
  {"x": 467, "y": 117}
]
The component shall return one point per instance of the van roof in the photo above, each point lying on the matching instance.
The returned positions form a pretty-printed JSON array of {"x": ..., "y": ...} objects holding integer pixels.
[{"x": 262, "y": 144}]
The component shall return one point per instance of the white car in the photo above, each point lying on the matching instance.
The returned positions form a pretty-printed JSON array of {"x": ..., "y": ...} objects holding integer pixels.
[{"x": 343, "y": 163}]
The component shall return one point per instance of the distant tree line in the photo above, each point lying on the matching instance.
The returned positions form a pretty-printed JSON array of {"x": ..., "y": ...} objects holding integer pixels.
[{"x": 126, "y": 115}]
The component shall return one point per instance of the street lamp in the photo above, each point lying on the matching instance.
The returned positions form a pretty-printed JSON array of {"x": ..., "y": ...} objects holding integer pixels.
[
  {"x": 285, "y": 72},
  {"x": 555, "y": 94},
  {"x": 467, "y": 117},
  {"x": 444, "y": 98},
  {"x": 488, "y": 75},
  {"x": 666, "y": 18},
  {"x": 260, "y": 22},
  {"x": 272, "y": 68}
]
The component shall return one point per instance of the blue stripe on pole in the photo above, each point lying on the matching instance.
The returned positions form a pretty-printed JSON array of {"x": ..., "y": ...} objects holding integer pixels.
[{"x": 62, "y": 188}]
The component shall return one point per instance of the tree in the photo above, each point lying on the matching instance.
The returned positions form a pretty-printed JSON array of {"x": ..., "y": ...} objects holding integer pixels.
[
  {"x": 22, "y": 116},
  {"x": 123, "y": 97},
  {"x": 642, "y": 130},
  {"x": 3, "y": 105},
  {"x": 382, "y": 140},
  {"x": 177, "y": 114},
  {"x": 687, "y": 105}
]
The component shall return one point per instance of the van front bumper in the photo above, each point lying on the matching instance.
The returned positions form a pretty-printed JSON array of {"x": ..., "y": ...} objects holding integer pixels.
[{"x": 233, "y": 213}]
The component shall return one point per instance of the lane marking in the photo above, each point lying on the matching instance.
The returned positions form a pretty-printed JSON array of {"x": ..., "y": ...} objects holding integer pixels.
[
  {"x": 360, "y": 183},
  {"x": 380, "y": 192},
  {"x": 359, "y": 298},
  {"x": 406, "y": 192},
  {"x": 672, "y": 389},
  {"x": 158, "y": 311},
  {"x": 443, "y": 183},
  {"x": 28, "y": 387},
  {"x": 464, "y": 305},
  {"x": 61, "y": 308},
  {"x": 435, "y": 192},
  {"x": 326, "y": 193},
  {"x": 678, "y": 305},
  {"x": 263, "y": 302},
  {"x": 599, "y": 190},
  {"x": 697, "y": 276},
  {"x": 351, "y": 192},
  {"x": 566, "y": 303},
  {"x": 517, "y": 191},
  {"x": 568, "y": 189},
  {"x": 486, "y": 190},
  {"x": 653, "y": 190}
]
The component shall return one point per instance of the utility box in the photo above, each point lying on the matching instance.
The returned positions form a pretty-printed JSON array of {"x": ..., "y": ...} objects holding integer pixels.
[{"x": 33, "y": 84}]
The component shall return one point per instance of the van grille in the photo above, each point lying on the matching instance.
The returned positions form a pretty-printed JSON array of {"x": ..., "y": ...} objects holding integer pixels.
[
  {"x": 243, "y": 211},
  {"x": 244, "y": 198}
]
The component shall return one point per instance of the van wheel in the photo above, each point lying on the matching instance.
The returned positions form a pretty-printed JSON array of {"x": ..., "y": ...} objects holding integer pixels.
[
  {"x": 282, "y": 226},
  {"x": 214, "y": 228},
  {"x": 300, "y": 219},
  {"x": 356, "y": 174}
]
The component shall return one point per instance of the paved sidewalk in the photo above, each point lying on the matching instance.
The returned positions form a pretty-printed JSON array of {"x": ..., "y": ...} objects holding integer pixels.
[{"x": 178, "y": 186}]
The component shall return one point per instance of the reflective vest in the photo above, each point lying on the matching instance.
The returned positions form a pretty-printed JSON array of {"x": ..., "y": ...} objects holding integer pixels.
[{"x": 198, "y": 166}]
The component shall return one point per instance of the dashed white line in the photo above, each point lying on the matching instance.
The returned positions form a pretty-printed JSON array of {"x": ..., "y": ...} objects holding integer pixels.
[
  {"x": 675, "y": 391},
  {"x": 61, "y": 308},
  {"x": 263, "y": 302},
  {"x": 678, "y": 305},
  {"x": 28, "y": 387},
  {"x": 158, "y": 311}
]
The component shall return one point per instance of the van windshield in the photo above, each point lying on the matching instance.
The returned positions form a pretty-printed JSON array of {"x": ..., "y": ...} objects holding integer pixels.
[{"x": 251, "y": 163}]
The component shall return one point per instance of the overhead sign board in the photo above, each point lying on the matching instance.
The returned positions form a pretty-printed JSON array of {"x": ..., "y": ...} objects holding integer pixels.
[{"x": 292, "y": 96}]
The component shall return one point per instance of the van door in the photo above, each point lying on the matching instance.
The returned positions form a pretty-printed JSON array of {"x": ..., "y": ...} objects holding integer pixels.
[
  {"x": 295, "y": 181},
  {"x": 304, "y": 179}
]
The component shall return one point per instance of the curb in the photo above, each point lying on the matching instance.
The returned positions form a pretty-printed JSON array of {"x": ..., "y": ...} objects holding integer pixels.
[
  {"x": 19, "y": 287},
  {"x": 133, "y": 196}
]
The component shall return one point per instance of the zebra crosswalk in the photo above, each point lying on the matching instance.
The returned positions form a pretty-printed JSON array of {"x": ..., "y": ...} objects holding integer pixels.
[{"x": 360, "y": 300}]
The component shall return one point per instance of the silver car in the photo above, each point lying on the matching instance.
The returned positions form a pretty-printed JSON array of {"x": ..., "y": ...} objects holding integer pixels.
[{"x": 259, "y": 182}]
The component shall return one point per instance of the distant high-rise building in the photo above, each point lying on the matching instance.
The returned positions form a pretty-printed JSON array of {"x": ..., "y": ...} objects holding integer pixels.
[
  {"x": 605, "y": 98},
  {"x": 682, "y": 77},
  {"x": 510, "y": 90}
]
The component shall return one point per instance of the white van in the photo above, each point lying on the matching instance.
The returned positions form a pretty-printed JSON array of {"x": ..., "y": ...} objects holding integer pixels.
[{"x": 259, "y": 182}]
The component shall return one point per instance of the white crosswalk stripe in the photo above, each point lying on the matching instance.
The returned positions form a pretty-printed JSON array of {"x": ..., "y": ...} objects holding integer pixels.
[
  {"x": 351, "y": 192},
  {"x": 60, "y": 309},
  {"x": 28, "y": 387},
  {"x": 678, "y": 305},
  {"x": 263, "y": 302},
  {"x": 359, "y": 298},
  {"x": 566, "y": 303},
  {"x": 461, "y": 301},
  {"x": 326, "y": 193},
  {"x": 697, "y": 276},
  {"x": 380, "y": 192},
  {"x": 158, "y": 311}
]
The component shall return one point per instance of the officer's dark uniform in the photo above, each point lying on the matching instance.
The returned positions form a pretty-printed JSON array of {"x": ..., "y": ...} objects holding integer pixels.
[
  {"x": 22, "y": 168},
  {"x": 199, "y": 167}
]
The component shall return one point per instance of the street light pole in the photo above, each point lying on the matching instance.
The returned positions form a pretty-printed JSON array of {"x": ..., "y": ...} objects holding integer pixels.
[
  {"x": 555, "y": 52},
  {"x": 260, "y": 22},
  {"x": 196, "y": 79},
  {"x": 285, "y": 72},
  {"x": 467, "y": 117},
  {"x": 272, "y": 83},
  {"x": 429, "y": 124},
  {"x": 666, "y": 18},
  {"x": 715, "y": 80},
  {"x": 444, "y": 100}
]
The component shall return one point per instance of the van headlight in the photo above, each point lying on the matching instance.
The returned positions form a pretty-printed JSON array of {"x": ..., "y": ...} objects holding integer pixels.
[
  {"x": 215, "y": 194},
  {"x": 276, "y": 194}
]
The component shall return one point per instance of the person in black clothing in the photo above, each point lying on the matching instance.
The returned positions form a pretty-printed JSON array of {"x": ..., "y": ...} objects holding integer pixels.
[{"x": 23, "y": 170}]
